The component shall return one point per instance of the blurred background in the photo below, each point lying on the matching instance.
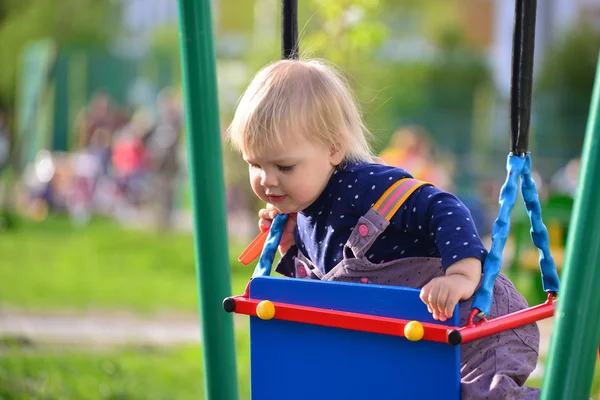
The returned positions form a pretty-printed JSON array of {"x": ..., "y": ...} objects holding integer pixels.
[{"x": 98, "y": 296}]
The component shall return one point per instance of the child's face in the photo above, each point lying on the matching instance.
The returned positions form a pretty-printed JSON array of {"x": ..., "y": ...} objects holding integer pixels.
[{"x": 293, "y": 177}]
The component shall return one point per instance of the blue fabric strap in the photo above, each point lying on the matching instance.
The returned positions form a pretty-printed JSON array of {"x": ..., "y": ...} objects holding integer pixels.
[
  {"x": 516, "y": 167},
  {"x": 265, "y": 262}
]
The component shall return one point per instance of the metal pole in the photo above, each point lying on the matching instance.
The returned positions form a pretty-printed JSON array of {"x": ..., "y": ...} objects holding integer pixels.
[
  {"x": 208, "y": 197},
  {"x": 574, "y": 341},
  {"x": 289, "y": 30}
]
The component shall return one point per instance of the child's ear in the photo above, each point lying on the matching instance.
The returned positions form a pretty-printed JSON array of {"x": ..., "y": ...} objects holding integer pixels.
[{"x": 335, "y": 155}]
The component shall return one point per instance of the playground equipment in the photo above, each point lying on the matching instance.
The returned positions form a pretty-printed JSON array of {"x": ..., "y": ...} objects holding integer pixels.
[{"x": 293, "y": 317}]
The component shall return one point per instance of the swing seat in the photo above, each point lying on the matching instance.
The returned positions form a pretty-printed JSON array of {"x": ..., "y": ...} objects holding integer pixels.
[
  {"x": 302, "y": 360},
  {"x": 345, "y": 328}
]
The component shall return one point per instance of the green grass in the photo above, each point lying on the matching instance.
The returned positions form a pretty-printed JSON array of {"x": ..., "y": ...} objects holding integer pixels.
[
  {"x": 54, "y": 265},
  {"x": 126, "y": 373}
]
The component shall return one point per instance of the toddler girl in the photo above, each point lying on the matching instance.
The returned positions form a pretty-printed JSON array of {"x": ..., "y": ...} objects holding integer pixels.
[{"x": 300, "y": 131}]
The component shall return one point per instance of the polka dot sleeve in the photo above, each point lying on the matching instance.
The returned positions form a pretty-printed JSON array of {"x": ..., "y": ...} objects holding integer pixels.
[{"x": 432, "y": 214}]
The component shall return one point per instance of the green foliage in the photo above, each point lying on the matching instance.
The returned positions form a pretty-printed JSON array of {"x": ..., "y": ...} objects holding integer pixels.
[
  {"x": 457, "y": 68},
  {"x": 346, "y": 32},
  {"x": 564, "y": 91},
  {"x": 165, "y": 44},
  {"x": 570, "y": 64},
  {"x": 68, "y": 22},
  {"x": 437, "y": 95}
]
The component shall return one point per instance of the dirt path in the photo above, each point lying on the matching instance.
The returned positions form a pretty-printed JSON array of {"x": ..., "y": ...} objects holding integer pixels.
[
  {"x": 100, "y": 328},
  {"x": 126, "y": 328}
]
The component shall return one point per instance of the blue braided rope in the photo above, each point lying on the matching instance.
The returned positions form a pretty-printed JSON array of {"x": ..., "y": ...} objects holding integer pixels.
[
  {"x": 516, "y": 167},
  {"x": 500, "y": 230},
  {"x": 539, "y": 233},
  {"x": 265, "y": 262}
]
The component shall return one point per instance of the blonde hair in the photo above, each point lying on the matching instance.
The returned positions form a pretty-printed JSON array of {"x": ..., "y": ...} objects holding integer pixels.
[{"x": 307, "y": 98}]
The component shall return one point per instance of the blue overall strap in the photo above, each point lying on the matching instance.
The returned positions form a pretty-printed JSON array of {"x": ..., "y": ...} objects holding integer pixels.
[
  {"x": 516, "y": 167},
  {"x": 263, "y": 268}
]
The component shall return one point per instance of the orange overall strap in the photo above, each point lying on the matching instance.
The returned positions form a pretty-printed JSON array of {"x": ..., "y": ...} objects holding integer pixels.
[{"x": 395, "y": 196}]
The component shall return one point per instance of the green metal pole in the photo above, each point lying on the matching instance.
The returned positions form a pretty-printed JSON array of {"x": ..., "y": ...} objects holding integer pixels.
[
  {"x": 208, "y": 197},
  {"x": 574, "y": 341}
]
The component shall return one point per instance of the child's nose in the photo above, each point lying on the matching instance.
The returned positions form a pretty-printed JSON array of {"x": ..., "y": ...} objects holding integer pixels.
[{"x": 268, "y": 179}]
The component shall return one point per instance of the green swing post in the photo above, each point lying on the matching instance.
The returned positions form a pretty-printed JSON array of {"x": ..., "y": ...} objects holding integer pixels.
[
  {"x": 574, "y": 341},
  {"x": 208, "y": 197}
]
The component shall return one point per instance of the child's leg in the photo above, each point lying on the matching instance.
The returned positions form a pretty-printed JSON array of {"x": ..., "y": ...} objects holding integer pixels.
[
  {"x": 496, "y": 367},
  {"x": 499, "y": 373}
]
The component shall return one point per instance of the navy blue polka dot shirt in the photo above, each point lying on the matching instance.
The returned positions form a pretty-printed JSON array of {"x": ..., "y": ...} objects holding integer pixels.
[{"x": 431, "y": 223}]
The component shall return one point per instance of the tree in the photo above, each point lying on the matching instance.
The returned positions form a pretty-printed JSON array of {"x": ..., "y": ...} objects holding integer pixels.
[
  {"x": 570, "y": 64},
  {"x": 67, "y": 22},
  {"x": 564, "y": 91},
  {"x": 363, "y": 38}
]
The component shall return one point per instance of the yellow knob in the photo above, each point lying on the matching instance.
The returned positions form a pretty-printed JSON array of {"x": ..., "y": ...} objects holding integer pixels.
[
  {"x": 265, "y": 310},
  {"x": 414, "y": 331}
]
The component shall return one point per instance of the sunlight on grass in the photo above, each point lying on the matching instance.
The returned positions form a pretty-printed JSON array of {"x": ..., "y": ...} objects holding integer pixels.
[
  {"x": 53, "y": 265},
  {"x": 123, "y": 373}
]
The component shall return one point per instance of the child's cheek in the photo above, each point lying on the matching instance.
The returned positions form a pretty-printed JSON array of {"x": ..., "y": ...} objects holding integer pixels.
[{"x": 255, "y": 183}]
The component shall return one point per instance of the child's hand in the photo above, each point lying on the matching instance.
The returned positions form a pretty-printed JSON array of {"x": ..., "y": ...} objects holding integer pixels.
[
  {"x": 442, "y": 294},
  {"x": 266, "y": 216}
]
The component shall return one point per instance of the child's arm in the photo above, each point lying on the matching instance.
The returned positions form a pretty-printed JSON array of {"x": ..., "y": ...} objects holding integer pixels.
[
  {"x": 441, "y": 217},
  {"x": 442, "y": 294}
]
